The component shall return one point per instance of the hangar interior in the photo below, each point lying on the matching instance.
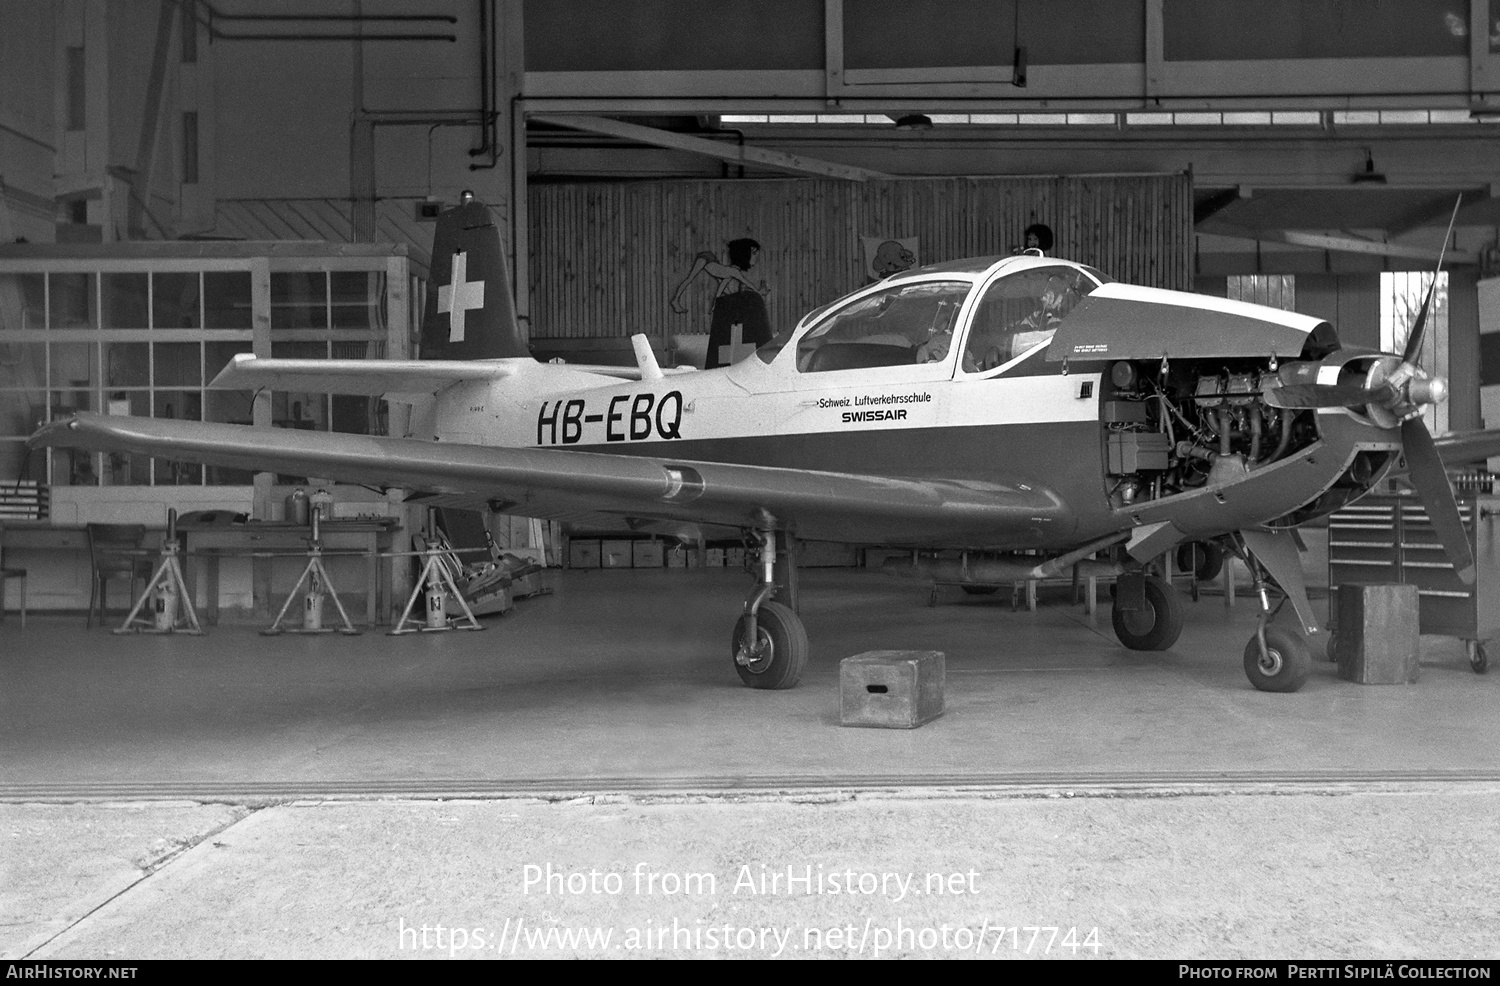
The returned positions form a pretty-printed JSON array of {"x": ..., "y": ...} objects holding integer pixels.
[{"x": 184, "y": 181}]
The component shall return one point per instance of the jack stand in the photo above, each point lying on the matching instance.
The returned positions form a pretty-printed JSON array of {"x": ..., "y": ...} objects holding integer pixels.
[
  {"x": 318, "y": 583},
  {"x": 435, "y": 583},
  {"x": 171, "y": 605}
]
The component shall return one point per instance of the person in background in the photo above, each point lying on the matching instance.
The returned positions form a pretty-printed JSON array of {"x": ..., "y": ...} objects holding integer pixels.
[{"x": 1038, "y": 237}]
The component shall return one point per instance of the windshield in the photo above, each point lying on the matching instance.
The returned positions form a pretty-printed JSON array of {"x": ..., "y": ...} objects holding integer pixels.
[{"x": 905, "y": 324}]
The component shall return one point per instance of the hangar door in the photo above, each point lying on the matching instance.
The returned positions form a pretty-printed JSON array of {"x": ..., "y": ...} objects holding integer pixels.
[{"x": 608, "y": 259}]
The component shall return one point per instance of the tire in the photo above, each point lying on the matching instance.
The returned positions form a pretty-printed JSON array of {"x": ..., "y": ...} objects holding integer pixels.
[
  {"x": 1479, "y": 659},
  {"x": 1156, "y": 627},
  {"x": 1205, "y": 559},
  {"x": 1289, "y": 661},
  {"x": 786, "y": 655},
  {"x": 980, "y": 590}
]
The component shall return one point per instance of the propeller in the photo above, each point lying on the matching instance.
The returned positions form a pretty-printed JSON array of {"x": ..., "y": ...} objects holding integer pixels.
[{"x": 1394, "y": 392}]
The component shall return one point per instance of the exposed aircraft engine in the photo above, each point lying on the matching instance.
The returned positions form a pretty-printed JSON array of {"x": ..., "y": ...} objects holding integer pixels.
[{"x": 1177, "y": 427}]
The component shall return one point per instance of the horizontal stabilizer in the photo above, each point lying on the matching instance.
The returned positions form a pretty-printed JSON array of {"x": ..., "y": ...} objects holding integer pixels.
[
  {"x": 1462, "y": 447},
  {"x": 356, "y": 376}
]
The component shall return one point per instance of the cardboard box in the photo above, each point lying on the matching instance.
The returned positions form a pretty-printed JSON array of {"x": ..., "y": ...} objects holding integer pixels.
[
  {"x": 647, "y": 554},
  {"x": 614, "y": 554},
  {"x": 677, "y": 556},
  {"x": 714, "y": 558},
  {"x": 583, "y": 553},
  {"x": 734, "y": 558}
]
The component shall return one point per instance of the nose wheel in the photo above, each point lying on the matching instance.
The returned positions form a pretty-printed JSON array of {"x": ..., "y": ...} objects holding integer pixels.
[
  {"x": 1282, "y": 665},
  {"x": 1277, "y": 659}
]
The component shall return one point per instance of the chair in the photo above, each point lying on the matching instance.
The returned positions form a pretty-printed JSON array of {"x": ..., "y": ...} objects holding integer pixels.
[
  {"x": 6, "y": 574},
  {"x": 114, "y": 552}
]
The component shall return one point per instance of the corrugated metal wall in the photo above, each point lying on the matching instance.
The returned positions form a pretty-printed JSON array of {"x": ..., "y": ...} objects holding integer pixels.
[{"x": 606, "y": 257}]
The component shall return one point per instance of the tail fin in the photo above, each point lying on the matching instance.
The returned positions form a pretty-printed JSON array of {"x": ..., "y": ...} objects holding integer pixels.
[{"x": 470, "y": 311}]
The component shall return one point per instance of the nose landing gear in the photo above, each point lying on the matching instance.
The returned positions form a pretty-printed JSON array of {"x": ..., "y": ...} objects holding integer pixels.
[{"x": 1277, "y": 659}]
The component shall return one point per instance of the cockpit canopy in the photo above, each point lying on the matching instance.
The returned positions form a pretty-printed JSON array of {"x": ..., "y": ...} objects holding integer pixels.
[{"x": 1013, "y": 305}]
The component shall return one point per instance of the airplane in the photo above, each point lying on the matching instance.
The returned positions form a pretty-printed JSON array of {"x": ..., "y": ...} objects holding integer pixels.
[{"x": 1005, "y": 418}]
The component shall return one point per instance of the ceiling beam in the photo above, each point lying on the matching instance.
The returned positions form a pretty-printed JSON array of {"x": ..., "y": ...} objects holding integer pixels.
[
  {"x": 1341, "y": 244},
  {"x": 737, "y": 153}
]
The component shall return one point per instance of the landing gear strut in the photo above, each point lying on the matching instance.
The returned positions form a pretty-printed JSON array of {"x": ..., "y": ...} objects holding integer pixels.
[{"x": 770, "y": 642}]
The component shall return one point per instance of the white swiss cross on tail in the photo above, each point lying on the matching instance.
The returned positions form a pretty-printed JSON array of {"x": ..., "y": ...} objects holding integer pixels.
[{"x": 459, "y": 296}]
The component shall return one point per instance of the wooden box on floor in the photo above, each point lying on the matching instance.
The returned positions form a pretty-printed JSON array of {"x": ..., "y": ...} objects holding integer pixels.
[
  {"x": 1377, "y": 640},
  {"x": 896, "y": 689}
]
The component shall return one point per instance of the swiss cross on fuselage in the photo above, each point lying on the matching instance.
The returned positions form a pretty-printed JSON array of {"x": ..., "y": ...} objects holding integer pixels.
[{"x": 459, "y": 295}]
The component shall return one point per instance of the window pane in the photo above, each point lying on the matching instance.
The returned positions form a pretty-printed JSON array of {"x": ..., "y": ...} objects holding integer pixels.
[
  {"x": 233, "y": 407},
  {"x": 216, "y": 356},
  {"x": 72, "y": 301},
  {"x": 29, "y": 292},
  {"x": 358, "y": 300},
  {"x": 22, "y": 412},
  {"x": 177, "y": 364},
  {"x": 901, "y": 326},
  {"x": 75, "y": 368},
  {"x": 22, "y": 364},
  {"x": 1020, "y": 312},
  {"x": 125, "y": 301},
  {"x": 374, "y": 349},
  {"x": 174, "y": 302},
  {"x": 17, "y": 462},
  {"x": 126, "y": 364},
  {"x": 72, "y": 467},
  {"x": 299, "y": 300},
  {"x": 226, "y": 300},
  {"x": 308, "y": 412},
  {"x": 356, "y": 415},
  {"x": 299, "y": 350}
]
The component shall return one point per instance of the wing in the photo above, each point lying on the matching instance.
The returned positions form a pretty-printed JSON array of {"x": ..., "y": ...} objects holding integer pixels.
[{"x": 565, "y": 484}]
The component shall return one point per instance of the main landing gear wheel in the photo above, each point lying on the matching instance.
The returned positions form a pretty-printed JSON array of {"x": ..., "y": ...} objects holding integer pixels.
[
  {"x": 1204, "y": 559},
  {"x": 1156, "y": 625},
  {"x": 1285, "y": 664},
  {"x": 782, "y": 652},
  {"x": 1479, "y": 660}
]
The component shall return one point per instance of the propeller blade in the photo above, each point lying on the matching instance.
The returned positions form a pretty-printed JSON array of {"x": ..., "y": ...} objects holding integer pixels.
[
  {"x": 1414, "y": 337},
  {"x": 1296, "y": 396},
  {"x": 1425, "y": 470}
]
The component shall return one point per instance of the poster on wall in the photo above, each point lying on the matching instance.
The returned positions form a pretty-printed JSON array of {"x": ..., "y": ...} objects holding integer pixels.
[
  {"x": 739, "y": 322},
  {"x": 887, "y": 255}
]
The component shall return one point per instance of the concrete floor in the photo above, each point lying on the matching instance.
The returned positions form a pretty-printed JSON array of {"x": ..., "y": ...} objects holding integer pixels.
[{"x": 169, "y": 796}]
